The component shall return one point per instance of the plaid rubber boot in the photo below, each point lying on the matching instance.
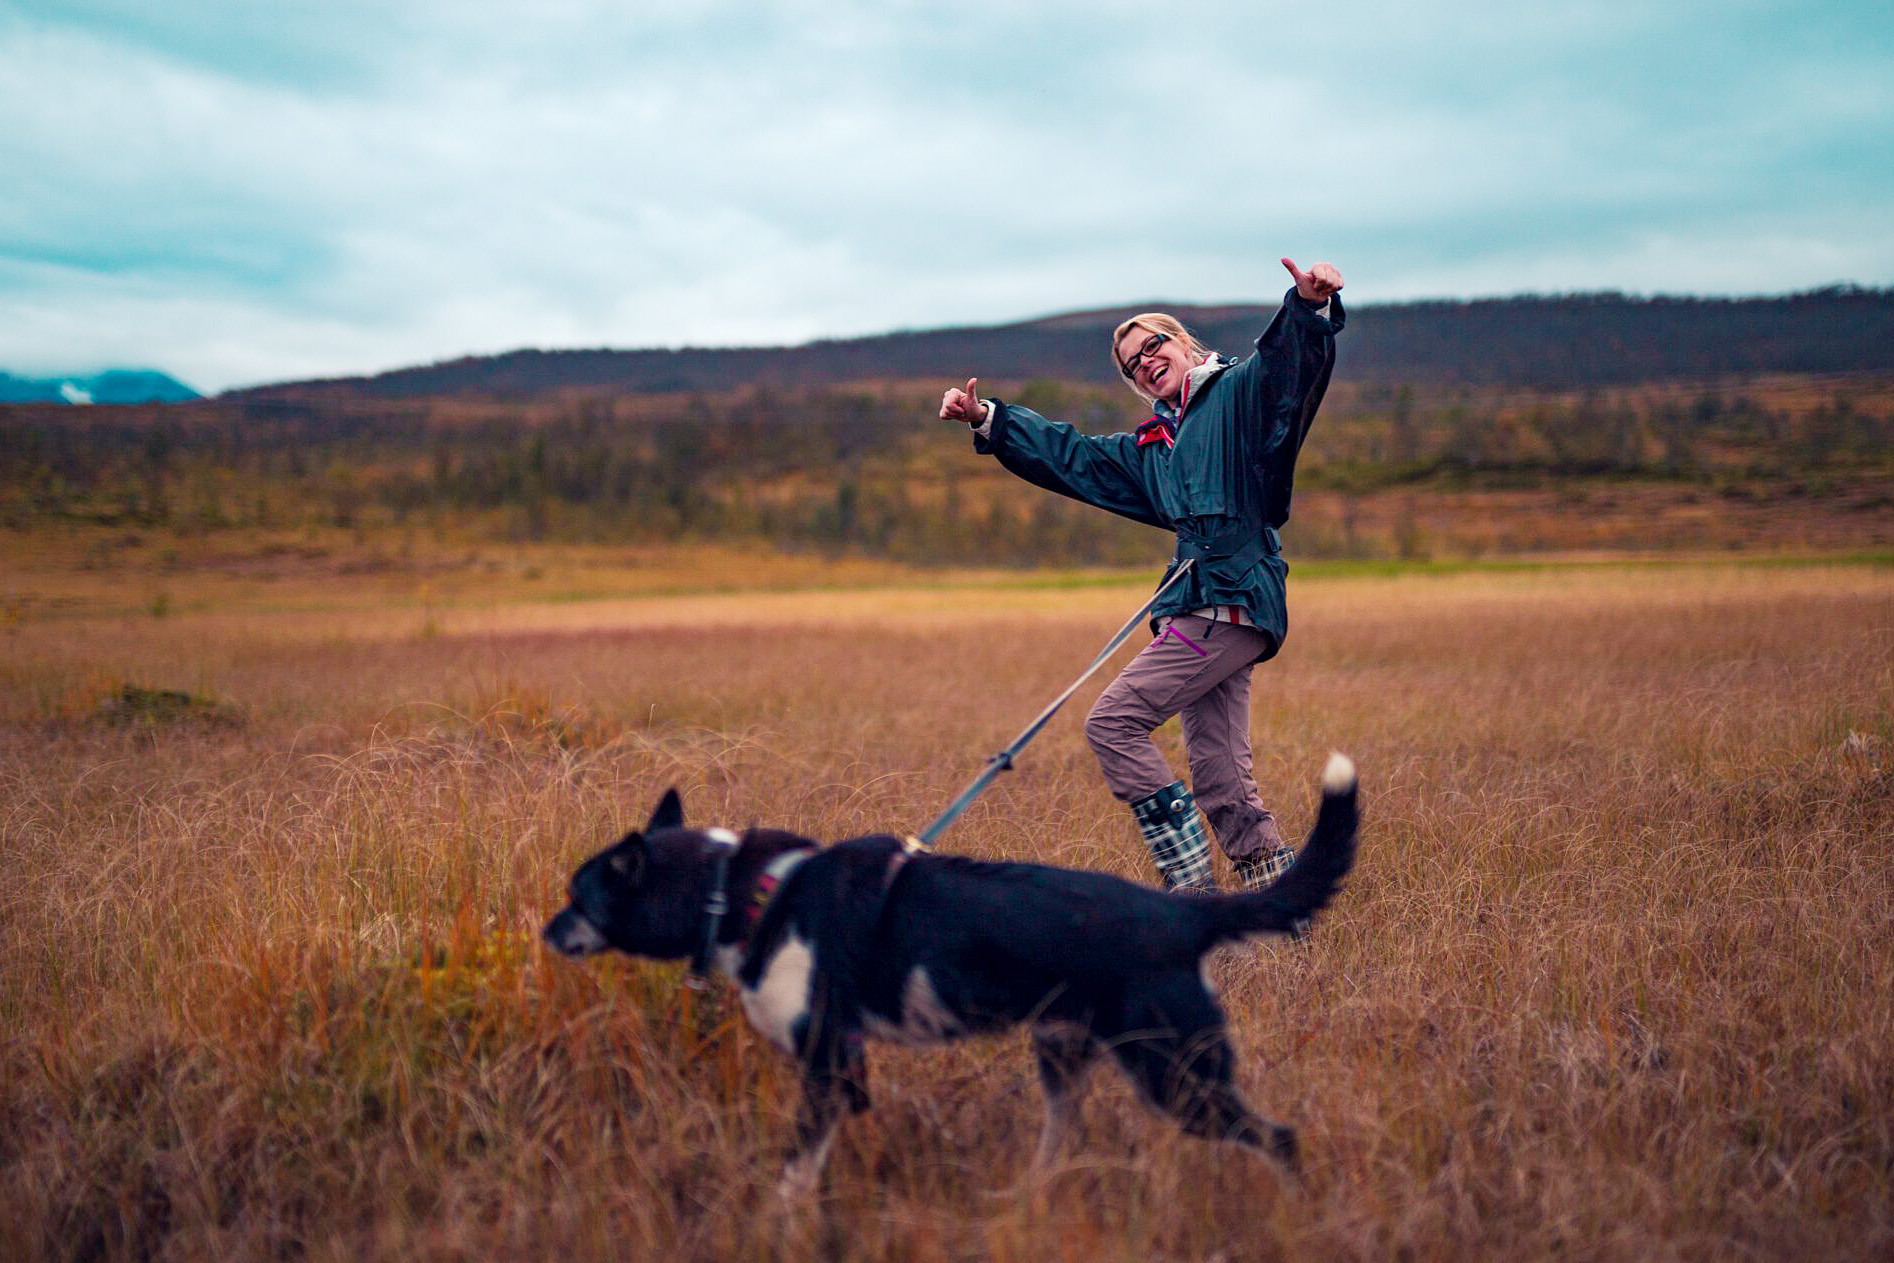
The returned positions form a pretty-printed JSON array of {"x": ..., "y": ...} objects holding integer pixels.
[
  {"x": 1263, "y": 871},
  {"x": 1174, "y": 831}
]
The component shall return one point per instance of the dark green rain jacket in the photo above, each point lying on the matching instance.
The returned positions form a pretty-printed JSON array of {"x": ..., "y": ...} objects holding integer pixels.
[{"x": 1223, "y": 488}]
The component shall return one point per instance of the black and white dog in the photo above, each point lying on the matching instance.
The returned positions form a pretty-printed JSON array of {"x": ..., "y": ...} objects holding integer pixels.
[{"x": 875, "y": 938}]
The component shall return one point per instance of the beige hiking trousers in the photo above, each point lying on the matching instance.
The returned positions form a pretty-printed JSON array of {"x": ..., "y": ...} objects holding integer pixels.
[{"x": 1201, "y": 670}]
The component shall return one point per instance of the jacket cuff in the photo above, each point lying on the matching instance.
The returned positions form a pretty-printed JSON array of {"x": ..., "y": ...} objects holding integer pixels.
[
  {"x": 986, "y": 423},
  {"x": 986, "y": 435},
  {"x": 1299, "y": 309}
]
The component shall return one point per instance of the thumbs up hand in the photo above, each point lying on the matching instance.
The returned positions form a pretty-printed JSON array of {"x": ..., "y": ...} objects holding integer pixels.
[
  {"x": 1317, "y": 284},
  {"x": 963, "y": 405}
]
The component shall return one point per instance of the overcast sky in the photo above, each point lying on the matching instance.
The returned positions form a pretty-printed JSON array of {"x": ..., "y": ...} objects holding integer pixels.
[{"x": 241, "y": 191}]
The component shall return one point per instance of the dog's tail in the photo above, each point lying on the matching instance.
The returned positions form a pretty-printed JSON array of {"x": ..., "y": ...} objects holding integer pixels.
[{"x": 1314, "y": 877}]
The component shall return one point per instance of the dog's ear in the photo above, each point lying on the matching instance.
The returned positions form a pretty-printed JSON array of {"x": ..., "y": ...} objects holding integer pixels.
[
  {"x": 627, "y": 859},
  {"x": 669, "y": 813}
]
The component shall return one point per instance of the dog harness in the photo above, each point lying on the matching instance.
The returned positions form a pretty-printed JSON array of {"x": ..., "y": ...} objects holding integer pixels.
[
  {"x": 717, "y": 901},
  {"x": 911, "y": 846},
  {"x": 767, "y": 883}
]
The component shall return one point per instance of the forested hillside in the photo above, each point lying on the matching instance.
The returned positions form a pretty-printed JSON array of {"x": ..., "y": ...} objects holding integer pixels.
[
  {"x": 1560, "y": 343},
  {"x": 1409, "y": 471},
  {"x": 1452, "y": 429}
]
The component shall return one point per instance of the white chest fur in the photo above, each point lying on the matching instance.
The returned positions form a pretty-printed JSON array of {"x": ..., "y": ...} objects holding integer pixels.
[{"x": 780, "y": 998}]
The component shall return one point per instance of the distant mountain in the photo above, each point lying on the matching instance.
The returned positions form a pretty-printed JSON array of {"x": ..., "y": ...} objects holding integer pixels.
[
  {"x": 1550, "y": 342},
  {"x": 121, "y": 386}
]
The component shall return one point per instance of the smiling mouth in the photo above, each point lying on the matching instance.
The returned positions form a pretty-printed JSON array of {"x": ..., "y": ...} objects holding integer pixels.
[{"x": 1159, "y": 373}]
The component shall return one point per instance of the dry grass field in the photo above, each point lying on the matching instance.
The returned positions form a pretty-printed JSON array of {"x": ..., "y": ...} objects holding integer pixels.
[{"x": 1614, "y": 977}]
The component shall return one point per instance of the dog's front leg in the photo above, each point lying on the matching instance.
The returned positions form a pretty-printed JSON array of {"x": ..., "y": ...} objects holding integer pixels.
[
  {"x": 1066, "y": 1055},
  {"x": 834, "y": 1083}
]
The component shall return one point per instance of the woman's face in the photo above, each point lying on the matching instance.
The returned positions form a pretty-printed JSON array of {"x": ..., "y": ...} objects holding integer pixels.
[{"x": 1160, "y": 372}]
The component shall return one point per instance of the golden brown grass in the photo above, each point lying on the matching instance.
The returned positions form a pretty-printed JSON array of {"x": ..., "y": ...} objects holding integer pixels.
[{"x": 1614, "y": 978}]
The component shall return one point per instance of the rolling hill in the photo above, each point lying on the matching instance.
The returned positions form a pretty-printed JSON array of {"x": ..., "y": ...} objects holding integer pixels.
[{"x": 1555, "y": 342}]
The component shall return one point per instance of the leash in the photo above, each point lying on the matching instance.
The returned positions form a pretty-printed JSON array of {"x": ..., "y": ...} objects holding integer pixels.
[
  {"x": 1003, "y": 761},
  {"x": 717, "y": 899}
]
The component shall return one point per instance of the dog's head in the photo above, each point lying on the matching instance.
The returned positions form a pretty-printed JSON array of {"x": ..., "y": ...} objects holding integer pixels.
[{"x": 644, "y": 896}]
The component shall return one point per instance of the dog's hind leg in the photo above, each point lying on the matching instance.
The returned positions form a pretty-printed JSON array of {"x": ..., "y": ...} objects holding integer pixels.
[
  {"x": 1066, "y": 1054},
  {"x": 1218, "y": 1112},
  {"x": 1190, "y": 1081},
  {"x": 1182, "y": 1063}
]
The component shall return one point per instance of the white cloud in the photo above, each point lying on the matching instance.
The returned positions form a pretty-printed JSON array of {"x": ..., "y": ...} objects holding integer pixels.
[{"x": 360, "y": 187}]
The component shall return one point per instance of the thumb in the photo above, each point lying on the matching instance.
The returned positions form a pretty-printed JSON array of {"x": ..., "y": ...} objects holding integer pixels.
[
  {"x": 973, "y": 389},
  {"x": 1296, "y": 272}
]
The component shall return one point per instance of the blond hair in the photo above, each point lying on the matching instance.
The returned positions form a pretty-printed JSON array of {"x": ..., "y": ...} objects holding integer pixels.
[{"x": 1156, "y": 322}]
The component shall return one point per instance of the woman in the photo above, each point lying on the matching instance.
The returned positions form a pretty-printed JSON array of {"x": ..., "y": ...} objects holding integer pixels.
[{"x": 1214, "y": 464}]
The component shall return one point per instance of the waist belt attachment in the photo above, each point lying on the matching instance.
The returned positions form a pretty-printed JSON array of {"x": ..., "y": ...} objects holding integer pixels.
[{"x": 1238, "y": 542}]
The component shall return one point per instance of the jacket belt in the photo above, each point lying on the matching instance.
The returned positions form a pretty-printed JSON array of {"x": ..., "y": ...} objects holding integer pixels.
[{"x": 1238, "y": 542}]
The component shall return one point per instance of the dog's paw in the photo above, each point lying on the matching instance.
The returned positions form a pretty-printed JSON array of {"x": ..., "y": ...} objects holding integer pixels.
[{"x": 798, "y": 1185}]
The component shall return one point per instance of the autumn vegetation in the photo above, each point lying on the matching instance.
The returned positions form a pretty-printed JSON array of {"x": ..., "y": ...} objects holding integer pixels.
[{"x": 1774, "y": 464}]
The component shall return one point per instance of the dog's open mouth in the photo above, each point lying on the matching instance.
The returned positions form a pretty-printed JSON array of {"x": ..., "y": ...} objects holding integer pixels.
[{"x": 570, "y": 934}]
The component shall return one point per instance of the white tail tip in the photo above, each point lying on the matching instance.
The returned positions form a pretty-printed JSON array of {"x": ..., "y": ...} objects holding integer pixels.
[{"x": 1339, "y": 776}]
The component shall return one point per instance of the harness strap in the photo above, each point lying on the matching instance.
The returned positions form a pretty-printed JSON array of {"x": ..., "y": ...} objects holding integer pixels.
[
  {"x": 911, "y": 846},
  {"x": 767, "y": 883},
  {"x": 717, "y": 902}
]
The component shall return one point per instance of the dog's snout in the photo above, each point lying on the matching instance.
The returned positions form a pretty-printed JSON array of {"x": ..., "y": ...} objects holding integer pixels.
[{"x": 570, "y": 934}]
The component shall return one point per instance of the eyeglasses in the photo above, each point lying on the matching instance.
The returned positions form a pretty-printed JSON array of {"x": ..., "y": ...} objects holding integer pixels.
[{"x": 1151, "y": 344}]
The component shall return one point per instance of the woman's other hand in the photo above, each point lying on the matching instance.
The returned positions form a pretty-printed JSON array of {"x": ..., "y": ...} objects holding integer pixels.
[
  {"x": 963, "y": 405},
  {"x": 1317, "y": 284}
]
